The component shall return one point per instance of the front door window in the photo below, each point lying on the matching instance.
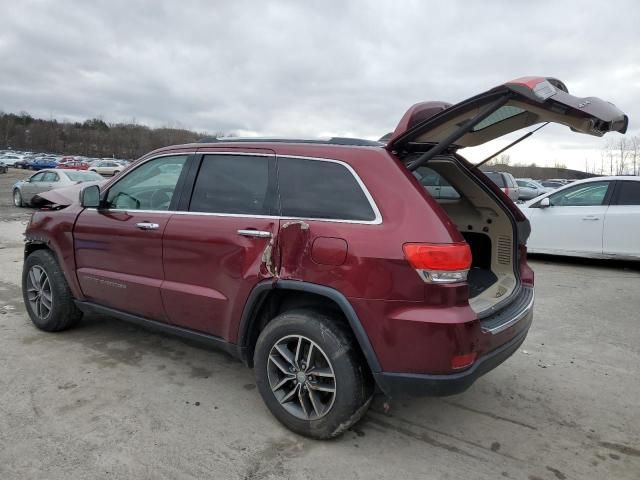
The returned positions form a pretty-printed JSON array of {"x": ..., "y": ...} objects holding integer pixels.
[{"x": 148, "y": 187}]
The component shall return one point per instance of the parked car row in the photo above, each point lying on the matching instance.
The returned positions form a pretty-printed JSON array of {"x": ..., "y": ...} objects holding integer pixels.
[
  {"x": 32, "y": 161},
  {"x": 520, "y": 189}
]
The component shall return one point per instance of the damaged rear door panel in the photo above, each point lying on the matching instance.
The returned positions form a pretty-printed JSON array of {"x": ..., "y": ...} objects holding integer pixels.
[
  {"x": 220, "y": 245},
  {"x": 293, "y": 247},
  {"x": 317, "y": 218}
]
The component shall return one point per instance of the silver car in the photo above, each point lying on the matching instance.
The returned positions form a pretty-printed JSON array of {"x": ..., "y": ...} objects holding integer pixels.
[
  {"x": 49, "y": 179},
  {"x": 530, "y": 188}
]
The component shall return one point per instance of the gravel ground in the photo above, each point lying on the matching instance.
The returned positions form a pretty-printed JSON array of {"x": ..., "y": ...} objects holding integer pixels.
[{"x": 109, "y": 400}]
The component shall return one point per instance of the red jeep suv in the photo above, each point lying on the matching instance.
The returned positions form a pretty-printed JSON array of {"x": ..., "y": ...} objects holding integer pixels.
[{"x": 326, "y": 265}]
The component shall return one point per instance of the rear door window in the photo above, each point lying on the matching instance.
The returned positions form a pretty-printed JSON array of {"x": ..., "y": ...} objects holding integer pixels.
[
  {"x": 628, "y": 193},
  {"x": 321, "y": 189},
  {"x": 233, "y": 184}
]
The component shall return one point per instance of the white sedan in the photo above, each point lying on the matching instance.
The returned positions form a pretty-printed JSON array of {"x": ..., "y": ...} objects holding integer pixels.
[
  {"x": 598, "y": 218},
  {"x": 106, "y": 167}
]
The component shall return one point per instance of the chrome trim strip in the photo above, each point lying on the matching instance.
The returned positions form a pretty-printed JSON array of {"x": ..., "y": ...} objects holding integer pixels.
[
  {"x": 240, "y": 215},
  {"x": 376, "y": 221},
  {"x": 523, "y": 313}
]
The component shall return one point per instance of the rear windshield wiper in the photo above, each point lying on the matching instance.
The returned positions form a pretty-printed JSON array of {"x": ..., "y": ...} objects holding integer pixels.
[{"x": 526, "y": 135}]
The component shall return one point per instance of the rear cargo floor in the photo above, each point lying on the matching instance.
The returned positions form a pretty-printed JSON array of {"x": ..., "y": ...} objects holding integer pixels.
[{"x": 479, "y": 279}]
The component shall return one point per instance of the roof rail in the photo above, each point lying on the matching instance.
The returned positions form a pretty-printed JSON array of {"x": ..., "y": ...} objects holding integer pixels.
[{"x": 332, "y": 141}]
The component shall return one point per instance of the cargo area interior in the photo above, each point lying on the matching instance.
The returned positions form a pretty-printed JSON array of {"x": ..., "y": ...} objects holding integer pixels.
[{"x": 486, "y": 227}]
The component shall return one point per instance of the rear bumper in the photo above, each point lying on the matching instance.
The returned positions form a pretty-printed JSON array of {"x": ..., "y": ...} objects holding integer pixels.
[{"x": 392, "y": 383}]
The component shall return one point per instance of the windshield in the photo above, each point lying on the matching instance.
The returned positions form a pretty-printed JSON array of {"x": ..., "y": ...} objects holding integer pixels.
[{"x": 83, "y": 176}]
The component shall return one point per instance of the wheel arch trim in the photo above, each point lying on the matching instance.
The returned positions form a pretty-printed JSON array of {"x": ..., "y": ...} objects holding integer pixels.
[{"x": 259, "y": 294}]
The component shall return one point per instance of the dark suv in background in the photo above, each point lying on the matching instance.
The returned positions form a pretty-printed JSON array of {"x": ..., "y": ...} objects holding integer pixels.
[{"x": 326, "y": 265}]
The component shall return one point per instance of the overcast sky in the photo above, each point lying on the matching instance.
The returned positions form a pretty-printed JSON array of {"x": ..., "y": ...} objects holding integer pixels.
[{"x": 312, "y": 69}]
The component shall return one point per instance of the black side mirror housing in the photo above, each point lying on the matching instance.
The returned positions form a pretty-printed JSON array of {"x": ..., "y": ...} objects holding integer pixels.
[{"x": 90, "y": 197}]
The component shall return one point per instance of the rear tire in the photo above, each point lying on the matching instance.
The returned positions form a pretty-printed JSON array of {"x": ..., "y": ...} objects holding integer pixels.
[
  {"x": 318, "y": 395},
  {"x": 46, "y": 293}
]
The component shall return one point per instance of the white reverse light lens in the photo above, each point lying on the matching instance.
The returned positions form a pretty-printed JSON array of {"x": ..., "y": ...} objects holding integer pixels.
[{"x": 438, "y": 276}]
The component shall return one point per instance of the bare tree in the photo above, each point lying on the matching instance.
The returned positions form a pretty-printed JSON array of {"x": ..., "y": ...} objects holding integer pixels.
[
  {"x": 504, "y": 159},
  {"x": 610, "y": 150},
  {"x": 634, "y": 152},
  {"x": 622, "y": 154},
  {"x": 558, "y": 164}
]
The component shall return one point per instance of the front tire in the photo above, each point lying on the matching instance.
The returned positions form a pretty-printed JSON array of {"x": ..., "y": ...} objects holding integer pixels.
[
  {"x": 17, "y": 198},
  {"x": 46, "y": 294},
  {"x": 311, "y": 374}
]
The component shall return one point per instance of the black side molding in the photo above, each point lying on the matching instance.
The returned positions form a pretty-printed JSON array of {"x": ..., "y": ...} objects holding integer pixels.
[
  {"x": 258, "y": 294},
  {"x": 198, "y": 337}
]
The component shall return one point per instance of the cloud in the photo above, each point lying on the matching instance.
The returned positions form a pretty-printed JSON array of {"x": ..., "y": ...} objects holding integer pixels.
[{"x": 308, "y": 68}]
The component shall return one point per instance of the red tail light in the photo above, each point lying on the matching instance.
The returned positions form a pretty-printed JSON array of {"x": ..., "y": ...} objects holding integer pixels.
[
  {"x": 506, "y": 190},
  {"x": 439, "y": 263},
  {"x": 432, "y": 256},
  {"x": 463, "y": 361}
]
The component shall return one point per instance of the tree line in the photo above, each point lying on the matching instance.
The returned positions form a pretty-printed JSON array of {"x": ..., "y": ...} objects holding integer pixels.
[{"x": 91, "y": 138}]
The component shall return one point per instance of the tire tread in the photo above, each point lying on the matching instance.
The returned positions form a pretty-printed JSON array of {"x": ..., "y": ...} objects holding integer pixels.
[{"x": 65, "y": 314}]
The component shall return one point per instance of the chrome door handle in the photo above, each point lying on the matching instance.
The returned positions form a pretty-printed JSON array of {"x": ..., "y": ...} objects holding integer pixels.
[
  {"x": 254, "y": 233},
  {"x": 147, "y": 226},
  {"x": 591, "y": 218}
]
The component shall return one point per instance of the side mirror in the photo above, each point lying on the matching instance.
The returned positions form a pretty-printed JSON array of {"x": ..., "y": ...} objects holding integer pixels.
[
  {"x": 544, "y": 203},
  {"x": 90, "y": 197}
]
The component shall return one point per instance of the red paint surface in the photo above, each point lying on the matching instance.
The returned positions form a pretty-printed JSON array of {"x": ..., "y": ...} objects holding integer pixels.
[
  {"x": 197, "y": 272},
  {"x": 329, "y": 251},
  {"x": 210, "y": 270},
  {"x": 111, "y": 252}
]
